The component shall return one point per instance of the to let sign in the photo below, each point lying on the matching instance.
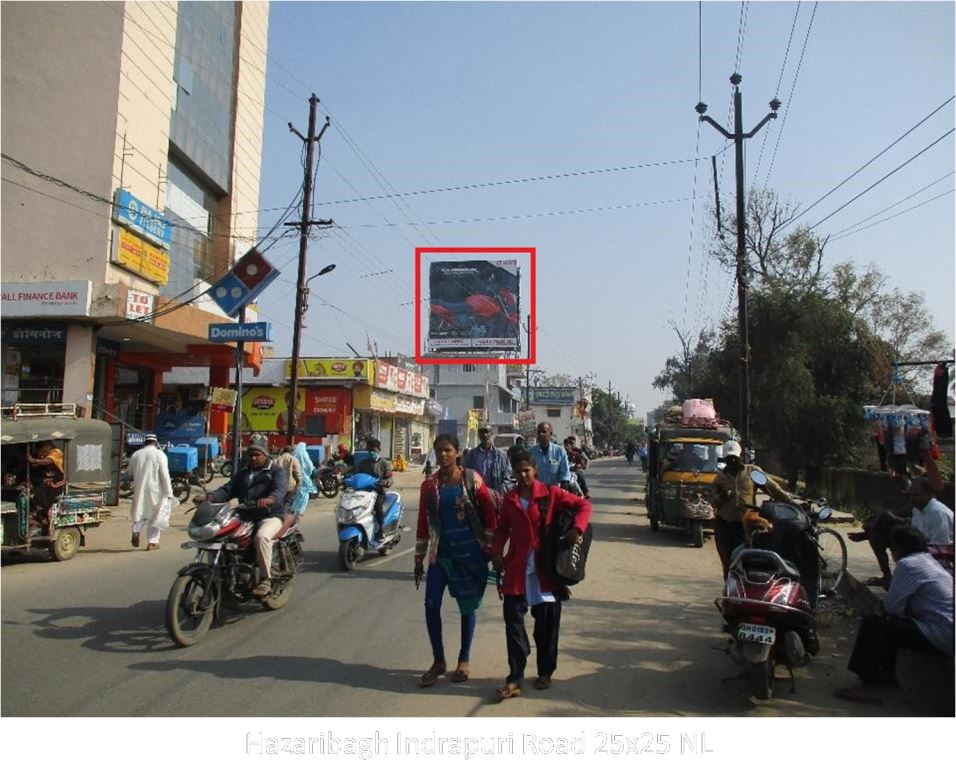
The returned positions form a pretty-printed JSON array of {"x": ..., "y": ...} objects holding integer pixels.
[{"x": 139, "y": 305}]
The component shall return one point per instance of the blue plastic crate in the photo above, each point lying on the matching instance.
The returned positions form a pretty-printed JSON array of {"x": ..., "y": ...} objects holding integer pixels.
[
  {"x": 208, "y": 447},
  {"x": 183, "y": 458},
  {"x": 316, "y": 453}
]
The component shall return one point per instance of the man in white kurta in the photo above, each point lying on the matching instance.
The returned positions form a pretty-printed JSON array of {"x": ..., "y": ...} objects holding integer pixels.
[{"x": 152, "y": 487}]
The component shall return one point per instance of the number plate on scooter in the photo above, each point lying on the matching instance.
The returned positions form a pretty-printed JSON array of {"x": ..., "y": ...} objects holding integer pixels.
[{"x": 756, "y": 633}]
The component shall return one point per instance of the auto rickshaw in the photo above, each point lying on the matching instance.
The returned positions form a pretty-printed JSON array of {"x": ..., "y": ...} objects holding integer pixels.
[
  {"x": 52, "y": 508},
  {"x": 681, "y": 466}
]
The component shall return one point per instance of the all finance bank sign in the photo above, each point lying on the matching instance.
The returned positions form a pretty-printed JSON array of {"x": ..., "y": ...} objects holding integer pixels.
[{"x": 58, "y": 299}]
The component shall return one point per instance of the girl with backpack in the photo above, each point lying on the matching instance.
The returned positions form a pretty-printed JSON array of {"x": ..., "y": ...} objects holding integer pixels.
[{"x": 456, "y": 523}]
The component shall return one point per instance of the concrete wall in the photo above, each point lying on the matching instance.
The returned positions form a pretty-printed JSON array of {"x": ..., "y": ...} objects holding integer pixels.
[
  {"x": 865, "y": 493},
  {"x": 59, "y": 98}
]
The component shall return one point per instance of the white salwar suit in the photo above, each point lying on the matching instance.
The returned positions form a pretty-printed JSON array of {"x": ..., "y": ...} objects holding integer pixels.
[{"x": 151, "y": 487}]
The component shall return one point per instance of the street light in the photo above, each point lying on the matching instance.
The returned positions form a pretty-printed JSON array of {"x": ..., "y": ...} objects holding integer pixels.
[
  {"x": 305, "y": 295},
  {"x": 301, "y": 306}
]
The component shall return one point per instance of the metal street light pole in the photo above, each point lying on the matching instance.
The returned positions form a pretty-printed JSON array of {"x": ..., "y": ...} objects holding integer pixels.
[{"x": 738, "y": 137}]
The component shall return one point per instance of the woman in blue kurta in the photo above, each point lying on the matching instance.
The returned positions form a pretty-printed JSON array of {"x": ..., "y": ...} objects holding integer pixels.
[{"x": 456, "y": 522}]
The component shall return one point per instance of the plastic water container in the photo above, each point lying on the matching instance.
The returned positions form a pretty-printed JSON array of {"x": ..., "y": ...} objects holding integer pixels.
[
  {"x": 208, "y": 447},
  {"x": 183, "y": 458}
]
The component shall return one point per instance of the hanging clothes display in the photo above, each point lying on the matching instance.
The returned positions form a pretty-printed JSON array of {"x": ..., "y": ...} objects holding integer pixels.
[{"x": 939, "y": 408}]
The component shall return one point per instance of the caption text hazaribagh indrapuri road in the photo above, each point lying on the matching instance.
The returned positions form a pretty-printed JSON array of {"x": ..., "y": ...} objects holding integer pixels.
[{"x": 604, "y": 743}]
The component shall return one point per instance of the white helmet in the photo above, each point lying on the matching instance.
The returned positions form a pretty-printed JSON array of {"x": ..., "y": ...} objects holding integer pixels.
[{"x": 732, "y": 448}]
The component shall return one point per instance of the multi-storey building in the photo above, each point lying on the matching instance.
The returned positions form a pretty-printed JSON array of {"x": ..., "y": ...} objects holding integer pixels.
[
  {"x": 132, "y": 143},
  {"x": 484, "y": 391}
]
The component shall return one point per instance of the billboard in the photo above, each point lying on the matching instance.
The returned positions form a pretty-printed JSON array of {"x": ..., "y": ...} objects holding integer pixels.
[{"x": 474, "y": 306}]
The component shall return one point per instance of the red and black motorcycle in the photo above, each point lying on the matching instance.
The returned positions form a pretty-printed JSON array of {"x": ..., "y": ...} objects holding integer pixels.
[
  {"x": 770, "y": 596},
  {"x": 225, "y": 567}
]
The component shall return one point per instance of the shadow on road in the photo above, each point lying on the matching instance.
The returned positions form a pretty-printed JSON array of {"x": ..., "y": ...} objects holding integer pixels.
[{"x": 137, "y": 627}]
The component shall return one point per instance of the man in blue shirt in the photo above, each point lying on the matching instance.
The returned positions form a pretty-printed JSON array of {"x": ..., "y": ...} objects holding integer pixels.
[
  {"x": 550, "y": 459},
  {"x": 489, "y": 462}
]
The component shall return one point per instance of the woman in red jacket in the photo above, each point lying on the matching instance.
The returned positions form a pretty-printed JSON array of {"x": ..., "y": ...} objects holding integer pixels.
[
  {"x": 456, "y": 523},
  {"x": 526, "y": 582}
]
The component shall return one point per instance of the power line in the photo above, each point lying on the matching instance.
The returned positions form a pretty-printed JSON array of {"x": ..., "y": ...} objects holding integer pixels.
[
  {"x": 889, "y": 207},
  {"x": 789, "y": 102},
  {"x": 783, "y": 68},
  {"x": 899, "y": 213},
  {"x": 884, "y": 178},
  {"x": 867, "y": 163},
  {"x": 511, "y": 217},
  {"x": 741, "y": 33}
]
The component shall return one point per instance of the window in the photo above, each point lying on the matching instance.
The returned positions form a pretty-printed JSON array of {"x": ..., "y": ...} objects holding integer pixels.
[
  {"x": 478, "y": 402},
  {"x": 468, "y": 368},
  {"x": 554, "y": 413}
]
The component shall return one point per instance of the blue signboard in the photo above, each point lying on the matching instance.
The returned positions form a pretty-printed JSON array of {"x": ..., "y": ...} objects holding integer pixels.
[
  {"x": 180, "y": 427},
  {"x": 134, "y": 214},
  {"x": 224, "y": 332},
  {"x": 243, "y": 283},
  {"x": 230, "y": 293}
]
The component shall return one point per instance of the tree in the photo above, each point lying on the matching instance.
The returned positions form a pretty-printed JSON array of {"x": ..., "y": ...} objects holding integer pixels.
[
  {"x": 788, "y": 261},
  {"x": 688, "y": 373}
]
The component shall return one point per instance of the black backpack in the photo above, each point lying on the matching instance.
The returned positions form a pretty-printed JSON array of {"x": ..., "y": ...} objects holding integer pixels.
[{"x": 564, "y": 563}]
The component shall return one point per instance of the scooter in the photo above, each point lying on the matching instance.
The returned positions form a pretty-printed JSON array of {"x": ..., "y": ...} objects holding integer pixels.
[
  {"x": 355, "y": 520},
  {"x": 766, "y": 609}
]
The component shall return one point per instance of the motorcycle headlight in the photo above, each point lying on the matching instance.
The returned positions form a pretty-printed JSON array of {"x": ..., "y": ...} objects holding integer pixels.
[
  {"x": 204, "y": 532},
  {"x": 344, "y": 515}
]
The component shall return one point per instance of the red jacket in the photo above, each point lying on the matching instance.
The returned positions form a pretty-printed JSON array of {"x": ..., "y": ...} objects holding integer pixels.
[
  {"x": 523, "y": 528},
  {"x": 428, "y": 530}
]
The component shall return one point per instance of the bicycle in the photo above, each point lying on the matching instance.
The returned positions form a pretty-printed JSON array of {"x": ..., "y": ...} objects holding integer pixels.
[{"x": 831, "y": 549}]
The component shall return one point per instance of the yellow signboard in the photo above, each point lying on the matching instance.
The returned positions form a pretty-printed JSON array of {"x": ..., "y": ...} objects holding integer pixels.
[
  {"x": 138, "y": 256},
  {"x": 367, "y": 398},
  {"x": 266, "y": 409},
  {"x": 355, "y": 369}
]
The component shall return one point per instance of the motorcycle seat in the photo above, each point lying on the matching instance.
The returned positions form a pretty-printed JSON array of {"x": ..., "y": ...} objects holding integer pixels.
[
  {"x": 287, "y": 522},
  {"x": 757, "y": 559}
]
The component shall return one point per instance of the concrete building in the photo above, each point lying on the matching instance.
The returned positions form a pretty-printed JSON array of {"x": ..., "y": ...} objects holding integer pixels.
[
  {"x": 483, "y": 390},
  {"x": 568, "y": 409},
  {"x": 132, "y": 143}
]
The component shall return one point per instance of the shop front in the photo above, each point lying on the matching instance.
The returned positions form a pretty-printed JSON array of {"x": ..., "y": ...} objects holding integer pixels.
[
  {"x": 323, "y": 415},
  {"x": 34, "y": 361}
]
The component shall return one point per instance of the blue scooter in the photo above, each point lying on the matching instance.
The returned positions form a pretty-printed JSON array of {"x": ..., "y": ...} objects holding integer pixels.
[{"x": 355, "y": 520}]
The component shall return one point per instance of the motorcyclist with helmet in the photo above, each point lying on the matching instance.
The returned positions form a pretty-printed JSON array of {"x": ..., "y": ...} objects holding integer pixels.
[
  {"x": 379, "y": 467},
  {"x": 261, "y": 489},
  {"x": 734, "y": 490}
]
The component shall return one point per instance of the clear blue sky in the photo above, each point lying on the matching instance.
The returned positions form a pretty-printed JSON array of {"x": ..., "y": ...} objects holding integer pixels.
[{"x": 437, "y": 95}]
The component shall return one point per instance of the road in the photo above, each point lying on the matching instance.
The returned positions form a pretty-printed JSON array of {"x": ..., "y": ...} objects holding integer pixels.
[{"x": 641, "y": 635}]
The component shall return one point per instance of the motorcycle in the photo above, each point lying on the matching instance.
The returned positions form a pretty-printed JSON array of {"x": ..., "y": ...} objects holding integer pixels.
[
  {"x": 225, "y": 568},
  {"x": 328, "y": 479},
  {"x": 355, "y": 520},
  {"x": 767, "y": 607}
]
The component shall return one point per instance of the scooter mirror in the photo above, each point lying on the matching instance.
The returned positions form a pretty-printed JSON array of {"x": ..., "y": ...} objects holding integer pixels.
[
  {"x": 758, "y": 477},
  {"x": 824, "y": 513},
  {"x": 721, "y": 465}
]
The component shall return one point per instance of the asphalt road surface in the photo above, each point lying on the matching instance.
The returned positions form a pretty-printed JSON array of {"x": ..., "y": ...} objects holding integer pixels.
[{"x": 641, "y": 635}]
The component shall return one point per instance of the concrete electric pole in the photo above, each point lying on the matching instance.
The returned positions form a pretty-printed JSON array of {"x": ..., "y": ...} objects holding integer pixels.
[
  {"x": 738, "y": 137},
  {"x": 301, "y": 285}
]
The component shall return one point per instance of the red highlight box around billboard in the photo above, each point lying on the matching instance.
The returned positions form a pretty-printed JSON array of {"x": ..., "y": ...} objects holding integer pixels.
[{"x": 532, "y": 346}]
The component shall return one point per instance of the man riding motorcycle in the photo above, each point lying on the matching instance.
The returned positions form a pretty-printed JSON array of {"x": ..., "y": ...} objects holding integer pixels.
[
  {"x": 378, "y": 467},
  {"x": 261, "y": 488},
  {"x": 734, "y": 489}
]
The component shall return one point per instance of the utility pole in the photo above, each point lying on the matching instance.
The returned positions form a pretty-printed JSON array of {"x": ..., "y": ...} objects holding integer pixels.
[
  {"x": 304, "y": 226},
  {"x": 738, "y": 137},
  {"x": 527, "y": 369}
]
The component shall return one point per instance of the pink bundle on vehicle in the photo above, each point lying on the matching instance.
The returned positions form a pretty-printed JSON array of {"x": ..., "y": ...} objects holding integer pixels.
[{"x": 698, "y": 412}]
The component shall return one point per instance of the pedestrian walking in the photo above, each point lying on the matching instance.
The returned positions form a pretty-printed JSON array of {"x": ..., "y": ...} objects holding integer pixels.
[
  {"x": 456, "y": 523},
  {"x": 306, "y": 487},
  {"x": 152, "y": 492},
  {"x": 527, "y": 582}
]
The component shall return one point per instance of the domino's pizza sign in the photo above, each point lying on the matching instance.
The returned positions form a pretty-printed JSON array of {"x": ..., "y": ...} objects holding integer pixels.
[{"x": 249, "y": 277}]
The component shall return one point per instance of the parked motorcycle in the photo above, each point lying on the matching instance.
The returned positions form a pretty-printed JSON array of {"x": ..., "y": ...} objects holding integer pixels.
[
  {"x": 355, "y": 520},
  {"x": 768, "y": 605},
  {"x": 328, "y": 479},
  {"x": 225, "y": 567}
]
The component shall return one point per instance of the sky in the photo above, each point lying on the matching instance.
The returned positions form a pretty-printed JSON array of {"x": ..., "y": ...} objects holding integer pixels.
[{"x": 599, "y": 98}]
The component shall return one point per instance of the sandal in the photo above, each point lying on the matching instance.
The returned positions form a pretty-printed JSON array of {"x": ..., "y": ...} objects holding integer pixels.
[
  {"x": 542, "y": 683},
  {"x": 459, "y": 675},
  {"x": 509, "y": 691},
  {"x": 435, "y": 671}
]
